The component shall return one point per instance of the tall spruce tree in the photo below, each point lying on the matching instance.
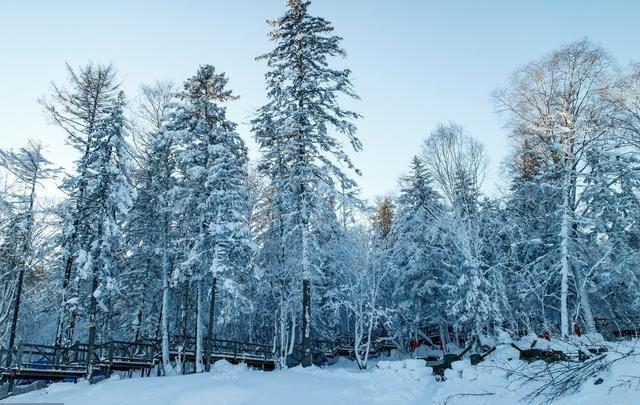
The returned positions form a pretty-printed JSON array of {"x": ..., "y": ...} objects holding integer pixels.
[
  {"x": 211, "y": 158},
  {"x": 293, "y": 132},
  {"x": 110, "y": 196},
  {"x": 419, "y": 206},
  {"x": 162, "y": 182}
]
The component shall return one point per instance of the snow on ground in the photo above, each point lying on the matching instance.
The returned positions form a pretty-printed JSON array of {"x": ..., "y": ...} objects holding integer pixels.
[
  {"x": 230, "y": 385},
  {"x": 388, "y": 382}
]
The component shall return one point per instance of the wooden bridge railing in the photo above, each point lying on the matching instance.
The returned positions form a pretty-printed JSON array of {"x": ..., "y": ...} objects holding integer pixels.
[
  {"x": 120, "y": 350},
  {"x": 219, "y": 347},
  {"x": 38, "y": 356}
]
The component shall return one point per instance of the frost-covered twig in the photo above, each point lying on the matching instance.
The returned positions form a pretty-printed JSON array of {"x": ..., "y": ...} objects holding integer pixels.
[
  {"x": 480, "y": 394},
  {"x": 625, "y": 382},
  {"x": 560, "y": 379}
]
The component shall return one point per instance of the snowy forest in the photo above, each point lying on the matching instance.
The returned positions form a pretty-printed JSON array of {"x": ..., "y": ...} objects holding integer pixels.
[{"x": 165, "y": 229}]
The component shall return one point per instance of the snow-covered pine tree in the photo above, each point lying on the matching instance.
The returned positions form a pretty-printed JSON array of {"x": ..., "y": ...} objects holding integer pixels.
[
  {"x": 531, "y": 210},
  {"x": 475, "y": 301},
  {"x": 465, "y": 194},
  {"x": 162, "y": 182},
  {"x": 459, "y": 266},
  {"x": 147, "y": 226},
  {"x": 609, "y": 235},
  {"x": 212, "y": 198},
  {"x": 109, "y": 196},
  {"x": 77, "y": 111},
  {"x": 293, "y": 129},
  {"x": 419, "y": 207}
]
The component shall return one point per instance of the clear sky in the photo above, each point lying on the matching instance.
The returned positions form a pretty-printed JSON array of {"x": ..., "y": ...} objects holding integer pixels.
[{"x": 415, "y": 63}]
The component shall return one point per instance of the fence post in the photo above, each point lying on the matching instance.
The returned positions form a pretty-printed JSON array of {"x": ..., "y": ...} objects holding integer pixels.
[
  {"x": 19, "y": 356},
  {"x": 150, "y": 349},
  {"x": 157, "y": 348},
  {"x": 110, "y": 361},
  {"x": 235, "y": 352},
  {"x": 12, "y": 381},
  {"x": 74, "y": 352}
]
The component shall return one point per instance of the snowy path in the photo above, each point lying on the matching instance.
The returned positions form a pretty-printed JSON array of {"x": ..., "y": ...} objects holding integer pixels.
[{"x": 235, "y": 385}]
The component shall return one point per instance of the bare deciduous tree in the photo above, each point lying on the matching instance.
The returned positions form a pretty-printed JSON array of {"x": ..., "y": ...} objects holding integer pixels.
[
  {"x": 624, "y": 97},
  {"x": 449, "y": 152},
  {"x": 147, "y": 112},
  {"x": 556, "y": 105}
]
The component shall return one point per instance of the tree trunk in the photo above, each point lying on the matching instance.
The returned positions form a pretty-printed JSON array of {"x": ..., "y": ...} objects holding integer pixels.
[
  {"x": 564, "y": 266},
  {"x": 443, "y": 328},
  {"x": 73, "y": 313},
  {"x": 71, "y": 326},
  {"x": 357, "y": 337},
  {"x": 307, "y": 356},
  {"x": 105, "y": 333},
  {"x": 14, "y": 318},
  {"x": 585, "y": 302},
  {"x": 92, "y": 324},
  {"x": 26, "y": 252},
  {"x": 292, "y": 337},
  {"x": 212, "y": 310},
  {"x": 365, "y": 360},
  {"x": 64, "y": 308},
  {"x": 199, "y": 363},
  {"x": 283, "y": 349},
  {"x": 166, "y": 363},
  {"x": 185, "y": 308},
  {"x": 138, "y": 325}
]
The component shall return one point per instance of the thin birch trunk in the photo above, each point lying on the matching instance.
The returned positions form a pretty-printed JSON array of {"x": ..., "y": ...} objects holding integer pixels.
[
  {"x": 166, "y": 362},
  {"x": 199, "y": 363},
  {"x": 564, "y": 266}
]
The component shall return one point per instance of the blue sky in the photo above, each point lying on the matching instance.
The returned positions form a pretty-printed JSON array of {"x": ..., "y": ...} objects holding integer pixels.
[{"x": 415, "y": 63}]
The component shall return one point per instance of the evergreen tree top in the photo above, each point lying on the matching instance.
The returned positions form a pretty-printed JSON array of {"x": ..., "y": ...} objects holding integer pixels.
[
  {"x": 299, "y": 70},
  {"x": 205, "y": 90},
  {"x": 294, "y": 127},
  {"x": 416, "y": 188}
]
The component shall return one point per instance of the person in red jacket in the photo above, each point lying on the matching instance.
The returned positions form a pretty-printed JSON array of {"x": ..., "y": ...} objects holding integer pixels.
[{"x": 576, "y": 329}]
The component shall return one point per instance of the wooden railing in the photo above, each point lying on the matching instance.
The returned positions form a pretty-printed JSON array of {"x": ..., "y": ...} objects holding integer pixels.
[{"x": 31, "y": 361}]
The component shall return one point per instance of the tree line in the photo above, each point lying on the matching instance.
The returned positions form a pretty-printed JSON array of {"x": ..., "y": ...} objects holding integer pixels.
[{"x": 166, "y": 229}]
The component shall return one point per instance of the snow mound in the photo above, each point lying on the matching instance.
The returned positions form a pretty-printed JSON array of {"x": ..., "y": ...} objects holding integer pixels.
[
  {"x": 414, "y": 364},
  {"x": 424, "y": 373},
  {"x": 226, "y": 369},
  {"x": 384, "y": 364},
  {"x": 410, "y": 364}
]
